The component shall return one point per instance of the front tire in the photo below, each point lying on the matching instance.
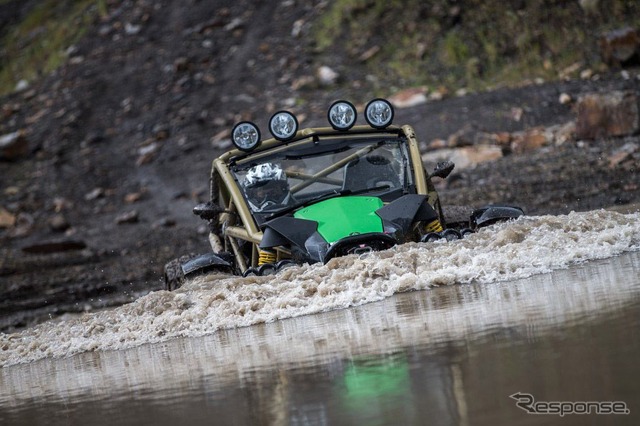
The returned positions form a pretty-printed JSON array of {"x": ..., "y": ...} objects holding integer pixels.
[{"x": 173, "y": 275}]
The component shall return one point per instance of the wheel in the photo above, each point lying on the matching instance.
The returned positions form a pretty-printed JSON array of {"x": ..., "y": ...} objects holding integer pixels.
[
  {"x": 267, "y": 269},
  {"x": 466, "y": 231},
  {"x": 251, "y": 272},
  {"x": 285, "y": 263},
  {"x": 173, "y": 276},
  {"x": 430, "y": 237},
  {"x": 451, "y": 234}
]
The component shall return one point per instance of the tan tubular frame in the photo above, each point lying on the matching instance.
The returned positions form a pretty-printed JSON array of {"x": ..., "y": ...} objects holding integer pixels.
[{"x": 231, "y": 199}]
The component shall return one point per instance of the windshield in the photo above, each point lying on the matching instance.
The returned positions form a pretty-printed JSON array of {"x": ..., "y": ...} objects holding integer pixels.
[{"x": 314, "y": 171}]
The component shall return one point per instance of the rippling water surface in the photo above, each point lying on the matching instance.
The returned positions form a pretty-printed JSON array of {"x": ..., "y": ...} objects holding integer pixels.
[{"x": 353, "y": 342}]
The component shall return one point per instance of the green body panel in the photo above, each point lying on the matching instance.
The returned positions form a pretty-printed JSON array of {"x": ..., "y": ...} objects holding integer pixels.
[{"x": 343, "y": 216}]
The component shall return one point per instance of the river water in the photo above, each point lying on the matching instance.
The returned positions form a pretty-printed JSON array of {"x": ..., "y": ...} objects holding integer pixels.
[{"x": 444, "y": 333}]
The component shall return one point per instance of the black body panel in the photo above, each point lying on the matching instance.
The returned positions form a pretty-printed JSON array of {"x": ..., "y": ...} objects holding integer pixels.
[{"x": 208, "y": 262}]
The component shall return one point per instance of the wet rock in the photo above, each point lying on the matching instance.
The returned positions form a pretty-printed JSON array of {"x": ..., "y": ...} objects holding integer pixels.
[
  {"x": 437, "y": 144},
  {"x": 439, "y": 94},
  {"x": 147, "y": 153},
  {"x": 463, "y": 137},
  {"x": 607, "y": 114},
  {"x": 586, "y": 74},
  {"x": 59, "y": 204},
  {"x": 165, "y": 222},
  {"x": 563, "y": 132},
  {"x": 23, "y": 225},
  {"x": 369, "y": 53},
  {"x": 133, "y": 197},
  {"x": 503, "y": 139},
  {"x": 516, "y": 113},
  {"x": 131, "y": 29},
  {"x": 94, "y": 194},
  {"x": 304, "y": 82},
  {"x": 58, "y": 223},
  {"x": 327, "y": 76},
  {"x": 620, "y": 47},
  {"x": 22, "y": 85},
  {"x": 530, "y": 140},
  {"x": 7, "y": 219},
  {"x": 128, "y": 217},
  {"x": 181, "y": 64},
  {"x": 624, "y": 154},
  {"x": 465, "y": 157},
  {"x": 55, "y": 246},
  {"x": 565, "y": 98},
  {"x": 235, "y": 24},
  {"x": 297, "y": 28},
  {"x": 13, "y": 146},
  {"x": 160, "y": 131},
  {"x": 409, "y": 97}
]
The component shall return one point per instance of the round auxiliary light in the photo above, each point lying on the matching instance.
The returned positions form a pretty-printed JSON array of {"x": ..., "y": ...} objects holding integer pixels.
[
  {"x": 245, "y": 136},
  {"x": 379, "y": 113},
  {"x": 283, "y": 125},
  {"x": 342, "y": 115}
]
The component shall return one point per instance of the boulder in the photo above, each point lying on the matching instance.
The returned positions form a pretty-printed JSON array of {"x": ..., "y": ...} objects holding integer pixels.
[
  {"x": 607, "y": 114},
  {"x": 620, "y": 47}
]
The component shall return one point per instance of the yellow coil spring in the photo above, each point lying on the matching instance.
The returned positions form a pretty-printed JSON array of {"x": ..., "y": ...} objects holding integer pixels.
[
  {"x": 266, "y": 256},
  {"x": 434, "y": 226}
]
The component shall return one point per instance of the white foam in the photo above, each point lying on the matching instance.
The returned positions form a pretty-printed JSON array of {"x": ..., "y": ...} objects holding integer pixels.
[{"x": 528, "y": 246}]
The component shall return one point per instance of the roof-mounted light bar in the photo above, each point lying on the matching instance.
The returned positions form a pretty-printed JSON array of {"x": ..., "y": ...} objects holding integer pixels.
[{"x": 342, "y": 116}]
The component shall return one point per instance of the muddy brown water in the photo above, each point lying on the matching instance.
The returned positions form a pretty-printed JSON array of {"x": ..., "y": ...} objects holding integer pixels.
[{"x": 445, "y": 354}]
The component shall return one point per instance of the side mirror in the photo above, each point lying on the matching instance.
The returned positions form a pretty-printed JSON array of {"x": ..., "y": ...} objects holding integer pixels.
[
  {"x": 207, "y": 211},
  {"x": 443, "y": 169}
]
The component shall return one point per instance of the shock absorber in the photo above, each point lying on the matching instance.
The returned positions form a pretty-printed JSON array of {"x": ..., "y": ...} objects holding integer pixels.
[
  {"x": 433, "y": 226},
  {"x": 266, "y": 256}
]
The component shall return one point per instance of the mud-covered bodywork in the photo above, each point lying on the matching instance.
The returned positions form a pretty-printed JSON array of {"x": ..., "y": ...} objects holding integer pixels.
[
  {"x": 330, "y": 192},
  {"x": 345, "y": 225}
]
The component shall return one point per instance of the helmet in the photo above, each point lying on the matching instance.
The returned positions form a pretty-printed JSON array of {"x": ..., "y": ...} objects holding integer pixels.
[
  {"x": 263, "y": 173},
  {"x": 266, "y": 185}
]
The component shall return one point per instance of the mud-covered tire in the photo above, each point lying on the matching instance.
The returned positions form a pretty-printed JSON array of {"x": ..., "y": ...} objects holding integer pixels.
[
  {"x": 173, "y": 275},
  {"x": 430, "y": 237},
  {"x": 451, "y": 235}
]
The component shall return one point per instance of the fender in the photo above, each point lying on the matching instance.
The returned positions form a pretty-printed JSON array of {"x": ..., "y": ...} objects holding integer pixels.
[
  {"x": 207, "y": 262},
  {"x": 407, "y": 210},
  {"x": 494, "y": 213},
  {"x": 287, "y": 230}
]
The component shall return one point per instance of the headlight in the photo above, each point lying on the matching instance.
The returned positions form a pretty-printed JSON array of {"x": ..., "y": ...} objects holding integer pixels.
[
  {"x": 245, "y": 136},
  {"x": 342, "y": 115},
  {"x": 379, "y": 113},
  {"x": 283, "y": 125}
]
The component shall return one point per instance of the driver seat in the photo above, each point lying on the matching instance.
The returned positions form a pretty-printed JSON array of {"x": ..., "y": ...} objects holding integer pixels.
[{"x": 369, "y": 172}]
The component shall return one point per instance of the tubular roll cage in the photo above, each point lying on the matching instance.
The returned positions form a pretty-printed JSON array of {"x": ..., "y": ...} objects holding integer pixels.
[{"x": 225, "y": 192}]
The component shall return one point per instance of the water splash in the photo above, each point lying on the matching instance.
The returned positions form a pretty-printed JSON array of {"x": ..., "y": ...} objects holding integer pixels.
[{"x": 519, "y": 249}]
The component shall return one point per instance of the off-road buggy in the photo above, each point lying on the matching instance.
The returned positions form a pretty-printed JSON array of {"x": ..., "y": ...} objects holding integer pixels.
[{"x": 307, "y": 196}]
